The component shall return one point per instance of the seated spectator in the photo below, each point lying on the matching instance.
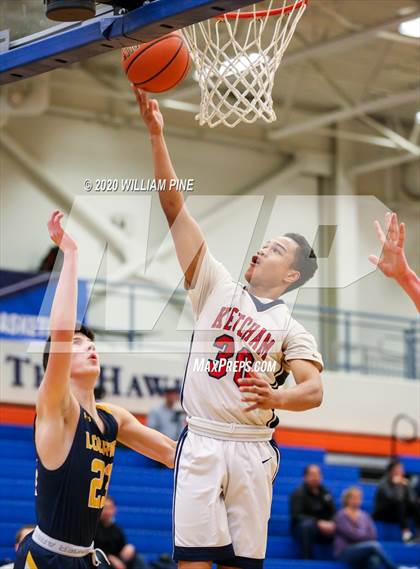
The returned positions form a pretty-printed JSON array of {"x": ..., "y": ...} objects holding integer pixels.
[
  {"x": 395, "y": 500},
  {"x": 20, "y": 536},
  {"x": 168, "y": 418},
  {"x": 415, "y": 485},
  {"x": 311, "y": 510},
  {"x": 111, "y": 539},
  {"x": 355, "y": 535}
]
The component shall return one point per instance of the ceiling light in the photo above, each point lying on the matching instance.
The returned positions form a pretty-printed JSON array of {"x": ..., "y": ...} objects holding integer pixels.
[
  {"x": 410, "y": 28},
  {"x": 238, "y": 65},
  {"x": 232, "y": 66}
]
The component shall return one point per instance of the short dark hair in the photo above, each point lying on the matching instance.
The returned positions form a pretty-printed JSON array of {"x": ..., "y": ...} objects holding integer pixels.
[
  {"x": 305, "y": 260},
  {"x": 81, "y": 328},
  {"x": 308, "y": 468},
  {"x": 392, "y": 464}
]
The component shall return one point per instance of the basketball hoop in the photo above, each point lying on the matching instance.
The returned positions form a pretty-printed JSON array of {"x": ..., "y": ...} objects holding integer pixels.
[{"x": 236, "y": 56}]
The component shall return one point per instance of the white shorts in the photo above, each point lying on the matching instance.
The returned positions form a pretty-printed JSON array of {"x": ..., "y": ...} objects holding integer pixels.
[{"x": 222, "y": 499}]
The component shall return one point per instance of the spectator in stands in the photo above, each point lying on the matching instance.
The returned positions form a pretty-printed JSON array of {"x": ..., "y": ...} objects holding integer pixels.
[
  {"x": 111, "y": 539},
  {"x": 168, "y": 418},
  {"x": 20, "y": 536},
  {"x": 355, "y": 535},
  {"x": 312, "y": 509},
  {"x": 393, "y": 262},
  {"x": 415, "y": 484},
  {"x": 395, "y": 500}
]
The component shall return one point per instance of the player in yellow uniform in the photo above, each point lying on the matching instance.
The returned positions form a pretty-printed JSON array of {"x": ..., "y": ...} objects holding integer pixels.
[{"x": 75, "y": 438}]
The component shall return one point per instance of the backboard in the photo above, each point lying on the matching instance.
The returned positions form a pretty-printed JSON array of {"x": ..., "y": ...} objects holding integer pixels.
[{"x": 31, "y": 44}]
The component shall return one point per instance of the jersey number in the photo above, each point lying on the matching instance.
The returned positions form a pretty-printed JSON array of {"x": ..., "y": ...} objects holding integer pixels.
[
  {"x": 99, "y": 484},
  {"x": 219, "y": 366}
]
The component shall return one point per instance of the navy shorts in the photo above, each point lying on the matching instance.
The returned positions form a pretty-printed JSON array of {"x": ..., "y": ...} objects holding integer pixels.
[{"x": 30, "y": 555}]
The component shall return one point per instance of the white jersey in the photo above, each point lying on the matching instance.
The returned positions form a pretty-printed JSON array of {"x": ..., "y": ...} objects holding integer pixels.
[{"x": 234, "y": 332}]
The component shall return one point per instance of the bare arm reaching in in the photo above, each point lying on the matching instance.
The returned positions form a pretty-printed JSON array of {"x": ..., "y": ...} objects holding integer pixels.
[
  {"x": 56, "y": 407},
  {"x": 58, "y": 402},
  {"x": 188, "y": 238},
  {"x": 393, "y": 262},
  {"x": 142, "y": 439}
]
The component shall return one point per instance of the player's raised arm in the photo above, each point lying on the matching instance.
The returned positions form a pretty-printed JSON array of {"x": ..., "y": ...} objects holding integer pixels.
[
  {"x": 188, "y": 238},
  {"x": 54, "y": 392},
  {"x": 393, "y": 262},
  {"x": 142, "y": 439}
]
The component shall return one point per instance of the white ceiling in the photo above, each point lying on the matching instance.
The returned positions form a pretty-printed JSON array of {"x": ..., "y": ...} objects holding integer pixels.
[{"x": 347, "y": 65}]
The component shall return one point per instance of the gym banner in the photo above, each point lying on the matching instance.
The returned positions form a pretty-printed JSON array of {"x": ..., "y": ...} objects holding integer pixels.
[
  {"x": 25, "y": 304},
  {"x": 136, "y": 382}
]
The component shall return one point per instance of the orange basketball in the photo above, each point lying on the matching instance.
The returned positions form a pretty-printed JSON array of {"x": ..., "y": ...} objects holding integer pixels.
[{"x": 158, "y": 65}]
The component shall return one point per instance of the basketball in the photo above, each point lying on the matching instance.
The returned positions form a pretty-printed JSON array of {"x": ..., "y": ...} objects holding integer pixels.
[{"x": 158, "y": 65}]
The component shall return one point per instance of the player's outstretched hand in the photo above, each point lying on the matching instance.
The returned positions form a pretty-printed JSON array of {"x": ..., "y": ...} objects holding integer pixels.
[
  {"x": 149, "y": 110},
  {"x": 257, "y": 393},
  {"x": 392, "y": 261},
  {"x": 57, "y": 233}
]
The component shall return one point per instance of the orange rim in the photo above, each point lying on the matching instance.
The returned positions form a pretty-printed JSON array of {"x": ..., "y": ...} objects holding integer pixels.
[{"x": 263, "y": 13}]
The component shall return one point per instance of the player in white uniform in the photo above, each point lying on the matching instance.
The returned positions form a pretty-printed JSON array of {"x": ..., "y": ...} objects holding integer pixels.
[{"x": 226, "y": 460}]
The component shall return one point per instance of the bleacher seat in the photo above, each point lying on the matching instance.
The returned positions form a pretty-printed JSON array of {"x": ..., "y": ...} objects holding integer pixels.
[
  {"x": 15, "y": 433},
  {"x": 143, "y": 493},
  {"x": 388, "y": 532},
  {"x": 411, "y": 464}
]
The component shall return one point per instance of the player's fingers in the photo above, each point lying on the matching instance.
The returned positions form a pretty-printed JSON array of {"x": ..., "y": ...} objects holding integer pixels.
[
  {"x": 141, "y": 99},
  {"x": 379, "y": 232},
  {"x": 250, "y": 399},
  {"x": 374, "y": 260},
  {"x": 252, "y": 386},
  {"x": 393, "y": 228},
  {"x": 254, "y": 374},
  {"x": 146, "y": 100},
  {"x": 245, "y": 382},
  {"x": 251, "y": 408},
  {"x": 401, "y": 237},
  {"x": 255, "y": 378},
  {"x": 253, "y": 389},
  {"x": 51, "y": 219},
  {"x": 136, "y": 93},
  {"x": 55, "y": 219},
  {"x": 54, "y": 222},
  {"x": 249, "y": 381}
]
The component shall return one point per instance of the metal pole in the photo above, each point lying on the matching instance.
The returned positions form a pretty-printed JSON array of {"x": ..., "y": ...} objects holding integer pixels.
[{"x": 347, "y": 341}]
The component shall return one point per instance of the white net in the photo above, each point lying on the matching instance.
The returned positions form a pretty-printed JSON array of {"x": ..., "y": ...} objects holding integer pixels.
[{"x": 236, "y": 59}]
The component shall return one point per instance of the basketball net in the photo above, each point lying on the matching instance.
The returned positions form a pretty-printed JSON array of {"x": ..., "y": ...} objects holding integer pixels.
[{"x": 236, "y": 57}]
